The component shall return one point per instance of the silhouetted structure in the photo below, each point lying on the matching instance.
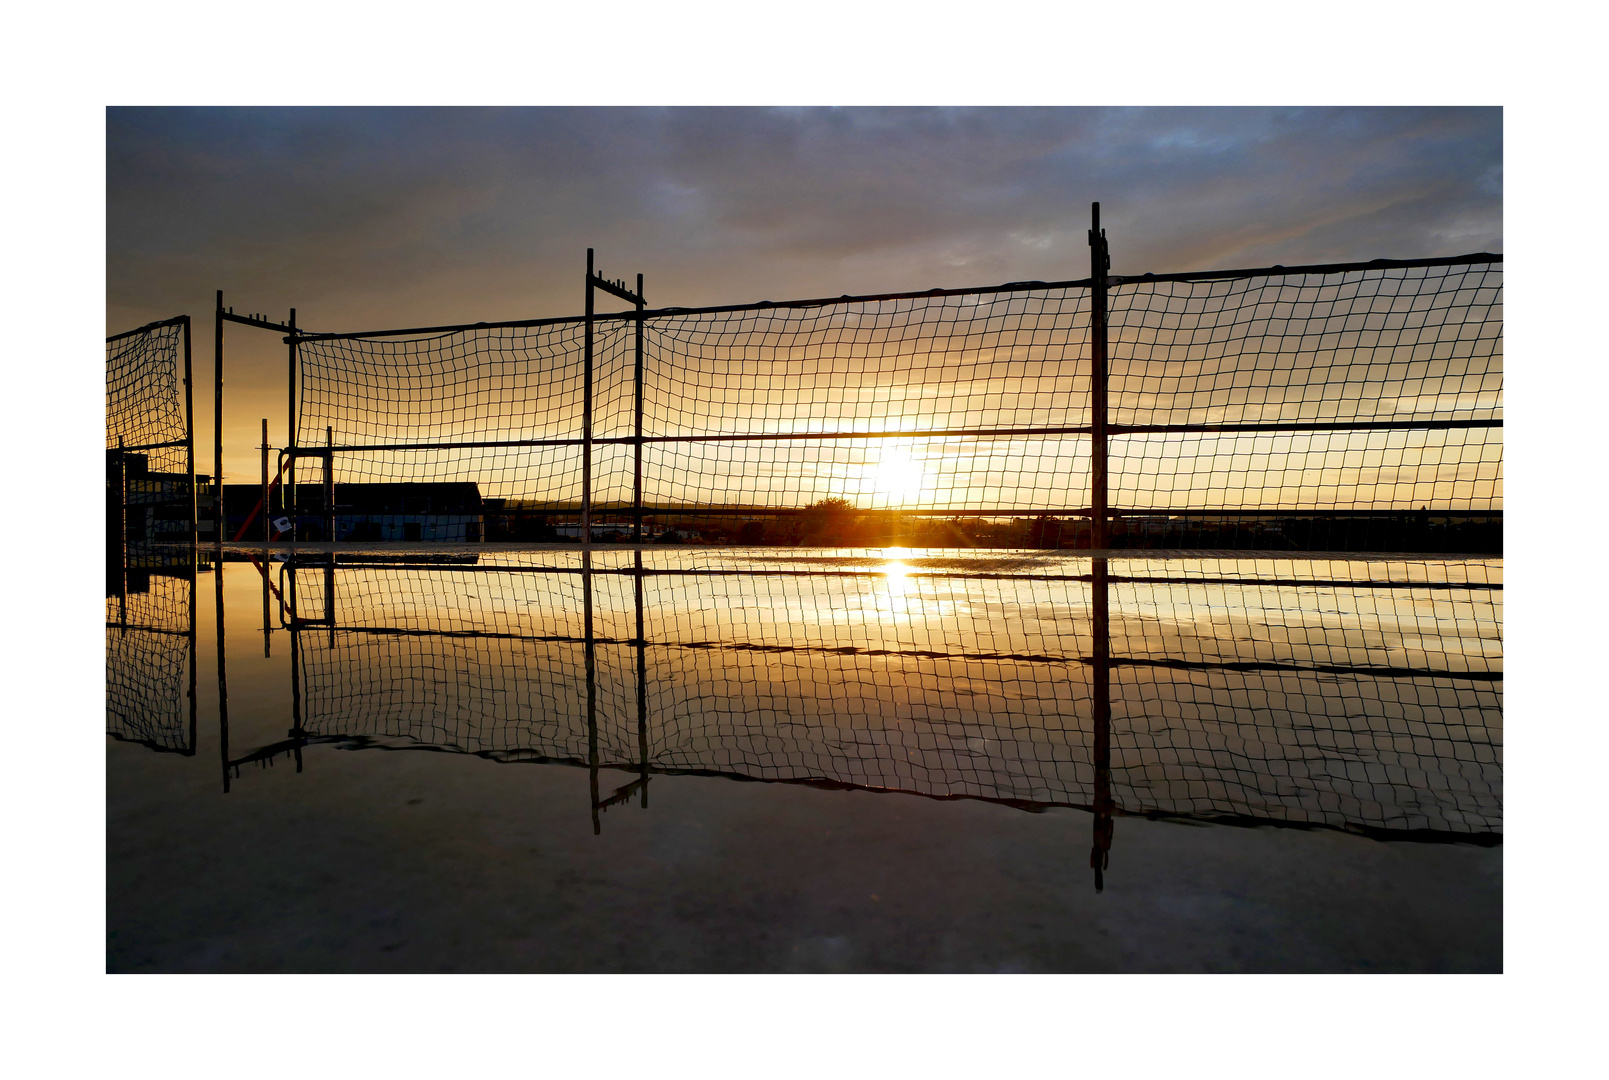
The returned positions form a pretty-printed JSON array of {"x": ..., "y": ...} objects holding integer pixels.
[{"x": 1353, "y": 406}]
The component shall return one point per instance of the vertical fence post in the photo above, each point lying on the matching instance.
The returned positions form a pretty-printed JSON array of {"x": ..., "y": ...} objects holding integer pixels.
[
  {"x": 329, "y": 485},
  {"x": 290, "y": 466},
  {"x": 586, "y": 417},
  {"x": 190, "y": 443},
  {"x": 636, "y": 483},
  {"x": 1099, "y": 264},
  {"x": 267, "y": 511},
  {"x": 217, "y": 422},
  {"x": 117, "y": 526},
  {"x": 116, "y": 502}
]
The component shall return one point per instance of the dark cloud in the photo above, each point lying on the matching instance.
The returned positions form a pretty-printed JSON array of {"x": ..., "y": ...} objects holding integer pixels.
[{"x": 343, "y": 207}]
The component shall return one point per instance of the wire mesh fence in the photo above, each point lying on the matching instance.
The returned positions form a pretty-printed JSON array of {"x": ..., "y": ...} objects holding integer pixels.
[
  {"x": 1349, "y": 389},
  {"x": 150, "y": 478},
  {"x": 1320, "y": 392}
]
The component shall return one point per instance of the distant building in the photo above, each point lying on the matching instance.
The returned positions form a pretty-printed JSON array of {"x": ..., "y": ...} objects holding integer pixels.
[
  {"x": 449, "y": 512},
  {"x": 154, "y": 505}
]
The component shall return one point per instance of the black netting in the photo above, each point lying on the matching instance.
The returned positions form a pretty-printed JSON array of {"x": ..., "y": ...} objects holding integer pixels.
[
  {"x": 145, "y": 407},
  {"x": 978, "y": 368},
  {"x": 1410, "y": 358},
  {"x": 148, "y": 440},
  {"x": 149, "y": 650},
  {"x": 1271, "y": 393}
]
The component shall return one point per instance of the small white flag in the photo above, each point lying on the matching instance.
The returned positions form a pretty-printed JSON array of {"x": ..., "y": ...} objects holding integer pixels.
[{"x": 282, "y": 524}]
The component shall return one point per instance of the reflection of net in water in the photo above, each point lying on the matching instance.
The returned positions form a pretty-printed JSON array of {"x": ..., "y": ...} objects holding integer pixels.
[
  {"x": 1336, "y": 700},
  {"x": 148, "y": 648}
]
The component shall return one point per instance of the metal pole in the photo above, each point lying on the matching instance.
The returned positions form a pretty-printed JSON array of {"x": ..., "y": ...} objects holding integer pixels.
[
  {"x": 190, "y": 441},
  {"x": 329, "y": 485},
  {"x": 636, "y": 485},
  {"x": 290, "y": 468},
  {"x": 267, "y": 510},
  {"x": 217, "y": 421},
  {"x": 1099, "y": 263},
  {"x": 117, "y": 508},
  {"x": 586, "y": 417},
  {"x": 1101, "y": 748}
]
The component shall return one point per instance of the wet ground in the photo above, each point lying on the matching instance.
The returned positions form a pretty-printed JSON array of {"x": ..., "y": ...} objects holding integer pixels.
[{"x": 851, "y": 761}]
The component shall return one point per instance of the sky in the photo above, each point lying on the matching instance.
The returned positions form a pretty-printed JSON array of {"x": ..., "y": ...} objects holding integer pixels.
[{"x": 366, "y": 218}]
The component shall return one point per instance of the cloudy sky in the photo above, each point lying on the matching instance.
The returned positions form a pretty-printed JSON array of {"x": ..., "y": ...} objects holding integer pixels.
[{"x": 368, "y": 218}]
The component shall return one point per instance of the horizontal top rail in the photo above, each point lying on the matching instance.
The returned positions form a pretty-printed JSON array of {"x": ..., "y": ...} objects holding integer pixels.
[
  {"x": 1475, "y": 259},
  {"x": 250, "y": 320},
  {"x": 1271, "y": 427},
  {"x": 175, "y": 321},
  {"x": 147, "y": 446}
]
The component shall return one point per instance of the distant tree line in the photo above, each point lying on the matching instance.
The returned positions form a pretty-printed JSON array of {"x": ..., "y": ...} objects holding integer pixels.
[{"x": 836, "y": 522}]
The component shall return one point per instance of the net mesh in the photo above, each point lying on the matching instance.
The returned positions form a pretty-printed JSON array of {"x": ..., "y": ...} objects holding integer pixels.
[
  {"x": 1413, "y": 347},
  {"x": 1376, "y": 389},
  {"x": 499, "y": 407},
  {"x": 145, "y": 410},
  {"x": 1344, "y": 693},
  {"x": 981, "y": 362}
]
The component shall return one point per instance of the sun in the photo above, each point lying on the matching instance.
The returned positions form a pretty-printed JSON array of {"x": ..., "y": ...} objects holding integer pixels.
[{"x": 898, "y": 475}]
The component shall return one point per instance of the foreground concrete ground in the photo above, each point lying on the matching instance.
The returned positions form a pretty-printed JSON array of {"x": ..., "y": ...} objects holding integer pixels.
[{"x": 414, "y": 861}]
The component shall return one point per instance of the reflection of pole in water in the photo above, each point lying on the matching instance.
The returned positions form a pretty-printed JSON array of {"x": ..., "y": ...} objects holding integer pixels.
[
  {"x": 223, "y": 678},
  {"x": 642, "y": 666},
  {"x": 592, "y": 685},
  {"x": 1101, "y": 744},
  {"x": 296, "y": 668},
  {"x": 195, "y": 568},
  {"x": 264, "y": 573}
]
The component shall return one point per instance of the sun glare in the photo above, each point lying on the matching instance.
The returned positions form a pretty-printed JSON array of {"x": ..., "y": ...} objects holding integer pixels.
[
  {"x": 898, "y": 475},
  {"x": 897, "y": 572}
]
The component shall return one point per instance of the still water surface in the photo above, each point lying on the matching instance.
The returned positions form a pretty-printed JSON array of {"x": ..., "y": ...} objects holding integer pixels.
[{"x": 504, "y": 760}]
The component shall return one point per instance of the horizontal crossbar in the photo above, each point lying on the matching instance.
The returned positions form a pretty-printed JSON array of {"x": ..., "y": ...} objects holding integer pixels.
[
  {"x": 175, "y": 321},
  {"x": 615, "y": 289},
  {"x": 906, "y": 433},
  {"x": 247, "y": 320},
  {"x": 147, "y": 446}
]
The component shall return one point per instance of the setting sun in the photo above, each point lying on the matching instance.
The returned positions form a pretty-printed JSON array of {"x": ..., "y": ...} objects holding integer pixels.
[{"x": 897, "y": 475}]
